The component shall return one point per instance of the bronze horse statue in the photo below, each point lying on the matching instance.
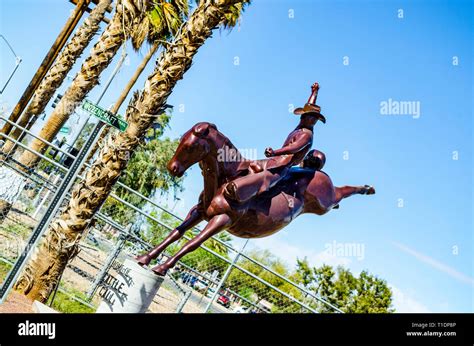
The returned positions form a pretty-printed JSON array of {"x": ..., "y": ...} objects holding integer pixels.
[{"x": 304, "y": 189}]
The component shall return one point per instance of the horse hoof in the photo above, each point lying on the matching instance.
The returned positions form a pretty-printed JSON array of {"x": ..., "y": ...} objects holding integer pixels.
[
  {"x": 159, "y": 270},
  {"x": 143, "y": 260},
  {"x": 369, "y": 190}
]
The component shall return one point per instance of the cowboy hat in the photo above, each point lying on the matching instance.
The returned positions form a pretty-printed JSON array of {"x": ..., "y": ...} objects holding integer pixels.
[{"x": 311, "y": 108}]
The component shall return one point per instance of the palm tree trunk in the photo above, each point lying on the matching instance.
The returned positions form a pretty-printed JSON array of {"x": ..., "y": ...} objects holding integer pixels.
[
  {"x": 58, "y": 72},
  {"x": 124, "y": 95},
  {"x": 61, "y": 240},
  {"x": 100, "y": 57}
]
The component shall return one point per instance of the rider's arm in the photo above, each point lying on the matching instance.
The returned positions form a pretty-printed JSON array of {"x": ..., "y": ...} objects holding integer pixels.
[{"x": 294, "y": 147}]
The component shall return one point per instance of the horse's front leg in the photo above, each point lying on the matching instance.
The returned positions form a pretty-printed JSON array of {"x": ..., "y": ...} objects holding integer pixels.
[
  {"x": 194, "y": 216},
  {"x": 214, "y": 226}
]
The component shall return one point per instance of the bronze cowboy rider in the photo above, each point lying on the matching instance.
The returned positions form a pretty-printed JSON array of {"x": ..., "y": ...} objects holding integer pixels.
[{"x": 296, "y": 146}]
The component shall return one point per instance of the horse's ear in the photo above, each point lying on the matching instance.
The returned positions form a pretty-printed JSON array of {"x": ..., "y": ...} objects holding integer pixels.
[{"x": 201, "y": 130}]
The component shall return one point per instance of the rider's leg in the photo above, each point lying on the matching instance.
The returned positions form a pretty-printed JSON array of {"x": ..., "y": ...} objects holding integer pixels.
[
  {"x": 244, "y": 188},
  {"x": 192, "y": 219},
  {"x": 214, "y": 226},
  {"x": 271, "y": 177}
]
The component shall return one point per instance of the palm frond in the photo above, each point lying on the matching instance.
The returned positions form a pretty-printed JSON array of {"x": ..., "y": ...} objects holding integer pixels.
[
  {"x": 156, "y": 17},
  {"x": 165, "y": 18},
  {"x": 233, "y": 14},
  {"x": 140, "y": 32},
  {"x": 182, "y": 6},
  {"x": 171, "y": 17}
]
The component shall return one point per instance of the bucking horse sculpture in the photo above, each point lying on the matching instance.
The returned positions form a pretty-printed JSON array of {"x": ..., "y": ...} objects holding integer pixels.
[{"x": 252, "y": 198}]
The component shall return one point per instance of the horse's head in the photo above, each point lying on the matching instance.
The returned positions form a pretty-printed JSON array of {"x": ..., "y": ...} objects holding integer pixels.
[{"x": 193, "y": 147}]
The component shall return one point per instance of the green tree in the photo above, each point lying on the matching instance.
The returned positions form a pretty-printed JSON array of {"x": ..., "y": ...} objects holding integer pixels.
[
  {"x": 145, "y": 173},
  {"x": 304, "y": 273},
  {"x": 373, "y": 295},
  {"x": 156, "y": 232},
  {"x": 256, "y": 290},
  {"x": 364, "y": 294},
  {"x": 215, "y": 245},
  {"x": 201, "y": 259}
]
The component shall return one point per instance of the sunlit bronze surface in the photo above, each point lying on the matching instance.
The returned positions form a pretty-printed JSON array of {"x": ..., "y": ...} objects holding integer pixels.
[{"x": 252, "y": 199}]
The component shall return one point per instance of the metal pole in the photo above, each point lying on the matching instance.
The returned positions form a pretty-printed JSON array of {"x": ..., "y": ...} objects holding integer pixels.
[
  {"x": 224, "y": 277},
  {"x": 17, "y": 64},
  {"x": 43, "y": 201},
  {"x": 55, "y": 291},
  {"x": 41, "y": 227},
  {"x": 110, "y": 259},
  {"x": 36, "y": 200},
  {"x": 114, "y": 73},
  {"x": 183, "y": 302}
]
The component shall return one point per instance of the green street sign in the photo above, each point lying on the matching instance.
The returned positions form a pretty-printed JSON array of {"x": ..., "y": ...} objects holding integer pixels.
[
  {"x": 64, "y": 129},
  {"x": 105, "y": 116}
]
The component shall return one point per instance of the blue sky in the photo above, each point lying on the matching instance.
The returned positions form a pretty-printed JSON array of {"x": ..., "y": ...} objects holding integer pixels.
[{"x": 416, "y": 231}]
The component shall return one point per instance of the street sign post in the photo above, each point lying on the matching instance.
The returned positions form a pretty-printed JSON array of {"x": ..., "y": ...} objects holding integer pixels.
[{"x": 105, "y": 116}]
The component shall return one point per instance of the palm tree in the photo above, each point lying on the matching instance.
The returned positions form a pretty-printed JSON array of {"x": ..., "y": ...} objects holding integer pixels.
[
  {"x": 58, "y": 72},
  {"x": 60, "y": 243},
  {"x": 138, "y": 18},
  {"x": 128, "y": 18}
]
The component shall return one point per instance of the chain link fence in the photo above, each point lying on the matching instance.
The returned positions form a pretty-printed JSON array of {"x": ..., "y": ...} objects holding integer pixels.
[{"x": 216, "y": 278}]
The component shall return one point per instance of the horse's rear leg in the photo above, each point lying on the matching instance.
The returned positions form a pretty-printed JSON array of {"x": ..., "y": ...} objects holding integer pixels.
[
  {"x": 214, "y": 226},
  {"x": 192, "y": 219},
  {"x": 347, "y": 191}
]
